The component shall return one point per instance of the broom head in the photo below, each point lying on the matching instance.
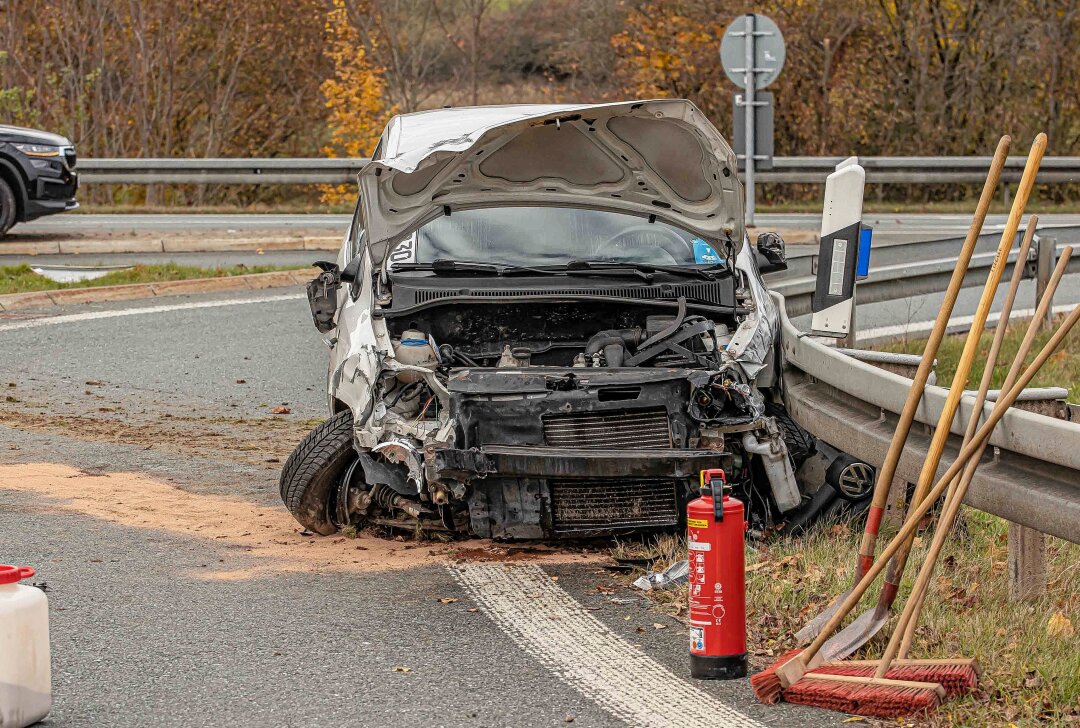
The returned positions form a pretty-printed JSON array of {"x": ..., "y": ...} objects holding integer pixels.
[
  {"x": 955, "y": 675},
  {"x": 867, "y": 696}
]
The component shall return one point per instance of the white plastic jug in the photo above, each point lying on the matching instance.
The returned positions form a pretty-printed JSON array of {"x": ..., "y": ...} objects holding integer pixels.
[{"x": 25, "y": 676}]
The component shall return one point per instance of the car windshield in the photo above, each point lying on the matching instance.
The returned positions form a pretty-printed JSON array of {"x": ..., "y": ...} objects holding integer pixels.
[{"x": 531, "y": 236}]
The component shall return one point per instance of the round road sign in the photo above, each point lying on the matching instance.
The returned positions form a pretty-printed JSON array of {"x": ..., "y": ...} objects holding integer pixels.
[{"x": 769, "y": 50}]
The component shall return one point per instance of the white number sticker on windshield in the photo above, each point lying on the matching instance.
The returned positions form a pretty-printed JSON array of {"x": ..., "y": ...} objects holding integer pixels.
[{"x": 404, "y": 252}]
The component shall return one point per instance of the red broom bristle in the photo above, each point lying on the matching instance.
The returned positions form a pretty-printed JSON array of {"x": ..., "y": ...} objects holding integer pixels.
[
  {"x": 766, "y": 684},
  {"x": 955, "y": 679},
  {"x": 872, "y": 701}
]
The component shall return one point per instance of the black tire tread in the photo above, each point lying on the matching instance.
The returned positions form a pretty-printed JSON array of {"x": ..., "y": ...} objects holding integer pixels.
[
  {"x": 800, "y": 443},
  {"x": 8, "y": 210},
  {"x": 311, "y": 468}
]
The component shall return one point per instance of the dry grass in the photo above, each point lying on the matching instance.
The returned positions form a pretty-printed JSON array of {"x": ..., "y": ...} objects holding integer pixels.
[
  {"x": 1061, "y": 370},
  {"x": 1028, "y": 651}
]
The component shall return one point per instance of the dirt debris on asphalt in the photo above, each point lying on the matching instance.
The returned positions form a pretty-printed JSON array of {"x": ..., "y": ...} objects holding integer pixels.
[{"x": 267, "y": 537}]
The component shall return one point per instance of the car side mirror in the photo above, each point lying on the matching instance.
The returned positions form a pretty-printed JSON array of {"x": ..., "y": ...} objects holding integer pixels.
[
  {"x": 322, "y": 296},
  {"x": 771, "y": 253}
]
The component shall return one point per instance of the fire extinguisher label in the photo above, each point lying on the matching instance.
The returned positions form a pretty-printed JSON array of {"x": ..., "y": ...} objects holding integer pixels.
[
  {"x": 697, "y": 523},
  {"x": 697, "y": 639},
  {"x": 699, "y": 546}
]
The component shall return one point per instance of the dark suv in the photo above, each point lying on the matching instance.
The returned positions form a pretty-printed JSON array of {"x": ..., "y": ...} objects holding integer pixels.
[{"x": 37, "y": 175}]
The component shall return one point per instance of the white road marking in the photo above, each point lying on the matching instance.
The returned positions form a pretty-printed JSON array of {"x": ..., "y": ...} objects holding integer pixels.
[
  {"x": 546, "y": 622},
  {"x": 115, "y": 313},
  {"x": 958, "y": 323}
]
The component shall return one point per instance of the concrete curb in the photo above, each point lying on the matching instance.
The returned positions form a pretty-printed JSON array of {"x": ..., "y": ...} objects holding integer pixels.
[
  {"x": 78, "y": 246},
  {"x": 132, "y": 291}
]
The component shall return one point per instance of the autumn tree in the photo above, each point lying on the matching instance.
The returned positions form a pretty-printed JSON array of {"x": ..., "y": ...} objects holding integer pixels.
[{"x": 355, "y": 94}]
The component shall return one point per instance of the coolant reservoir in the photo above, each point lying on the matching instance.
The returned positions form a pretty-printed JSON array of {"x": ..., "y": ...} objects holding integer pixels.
[
  {"x": 25, "y": 679},
  {"x": 414, "y": 347}
]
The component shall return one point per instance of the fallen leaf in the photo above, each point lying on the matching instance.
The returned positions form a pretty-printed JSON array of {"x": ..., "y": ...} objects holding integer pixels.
[
  {"x": 241, "y": 381},
  {"x": 447, "y": 600},
  {"x": 657, "y": 625},
  {"x": 1059, "y": 626},
  {"x": 855, "y": 719},
  {"x": 554, "y": 578},
  {"x": 472, "y": 609},
  {"x": 281, "y": 411},
  {"x": 605, "y": 589},
  {"x": 401, "y": 668},
  {"x": 1032, "y": 679}
]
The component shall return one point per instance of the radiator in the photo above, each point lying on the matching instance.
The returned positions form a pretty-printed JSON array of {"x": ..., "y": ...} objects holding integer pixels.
[
  {"x": 613, "y": 505},
  {"x": 638, "y": 428}
]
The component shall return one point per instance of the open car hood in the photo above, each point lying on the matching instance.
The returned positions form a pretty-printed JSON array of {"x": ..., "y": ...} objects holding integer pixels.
[{"x": 660, "y": 157}]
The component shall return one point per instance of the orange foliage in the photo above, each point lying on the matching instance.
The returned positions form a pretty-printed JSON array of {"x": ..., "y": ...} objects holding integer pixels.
[{"x": 355, "y": 95}]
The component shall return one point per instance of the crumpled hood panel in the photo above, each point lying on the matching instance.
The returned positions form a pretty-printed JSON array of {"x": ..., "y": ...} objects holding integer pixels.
[{"x": 660, "y": 157}]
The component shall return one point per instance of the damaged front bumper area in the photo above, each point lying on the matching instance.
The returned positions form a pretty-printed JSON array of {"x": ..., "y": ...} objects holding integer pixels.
[{"x": 557, "y": 453}]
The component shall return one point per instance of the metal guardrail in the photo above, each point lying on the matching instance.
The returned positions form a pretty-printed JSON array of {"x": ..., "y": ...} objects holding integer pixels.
[
  {"x": 1032, "y": 478},
  {"x": 915, "y": 268},
  {"x": 303, "y": 171}
]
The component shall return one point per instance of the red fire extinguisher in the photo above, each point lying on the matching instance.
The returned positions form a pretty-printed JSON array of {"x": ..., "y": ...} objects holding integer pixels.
[{"x": 716, "y": 527}]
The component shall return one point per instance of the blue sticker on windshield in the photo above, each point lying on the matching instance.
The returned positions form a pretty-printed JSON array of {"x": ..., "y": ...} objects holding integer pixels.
[{"x": 705, "y": 253}]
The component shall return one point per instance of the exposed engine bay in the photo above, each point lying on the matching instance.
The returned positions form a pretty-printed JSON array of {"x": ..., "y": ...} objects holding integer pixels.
[{"x": 561, "y": 418}]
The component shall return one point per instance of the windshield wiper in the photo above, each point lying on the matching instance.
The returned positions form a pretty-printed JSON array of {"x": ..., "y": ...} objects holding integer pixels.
[
  {"x": 582, "y": 268},
  {"x": 443, "y": 266},
  {"x": 599, "y": 265}
]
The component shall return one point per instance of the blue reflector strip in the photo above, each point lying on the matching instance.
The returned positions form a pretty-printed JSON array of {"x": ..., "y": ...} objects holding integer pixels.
[{"x": 862, "y": 270}]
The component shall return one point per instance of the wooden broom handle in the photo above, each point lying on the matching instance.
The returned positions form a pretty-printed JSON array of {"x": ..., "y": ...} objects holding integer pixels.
[
  {"x": 980, "y": 399},
  {"x": 910, "y": 617},
  {"x": 911, "y": 524},
  {"x": 971, "y": 345},
  {"x": 885, "y": 475}
]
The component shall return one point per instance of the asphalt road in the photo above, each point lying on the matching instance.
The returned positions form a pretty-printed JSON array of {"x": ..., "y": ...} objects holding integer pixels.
[{"x": 164, "y": 610}]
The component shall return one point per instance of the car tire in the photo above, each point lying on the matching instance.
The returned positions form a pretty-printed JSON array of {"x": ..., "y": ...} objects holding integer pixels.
[
  {"x": 7, "y": 207},
  {"x": 310, "y": 476}
]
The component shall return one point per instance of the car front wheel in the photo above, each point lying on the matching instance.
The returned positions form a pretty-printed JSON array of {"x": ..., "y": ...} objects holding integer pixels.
[{"x": 311, "y": 475}]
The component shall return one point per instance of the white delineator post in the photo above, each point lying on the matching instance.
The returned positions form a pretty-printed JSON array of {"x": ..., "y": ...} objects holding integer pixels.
[{"x": 841, "y": 225}]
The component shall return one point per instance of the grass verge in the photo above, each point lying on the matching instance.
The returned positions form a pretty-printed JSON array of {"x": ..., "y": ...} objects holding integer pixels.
[
  {"x": 1061, "y": 370},
  {"x": 1028, "y": 650},
  {"x": 21, "y": 279}
]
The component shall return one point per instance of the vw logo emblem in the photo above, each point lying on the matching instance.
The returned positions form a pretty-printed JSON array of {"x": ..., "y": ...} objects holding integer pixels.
[{"x": 856, "y": 480}]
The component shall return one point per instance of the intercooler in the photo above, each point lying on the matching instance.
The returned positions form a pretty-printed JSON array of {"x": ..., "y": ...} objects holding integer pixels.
[
  {"x": 597, "y": 506},
  {"x": 637, "y": 428}
]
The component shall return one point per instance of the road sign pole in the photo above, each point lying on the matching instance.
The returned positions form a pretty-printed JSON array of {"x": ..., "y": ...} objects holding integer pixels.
[{"x": 748, "y": 111}]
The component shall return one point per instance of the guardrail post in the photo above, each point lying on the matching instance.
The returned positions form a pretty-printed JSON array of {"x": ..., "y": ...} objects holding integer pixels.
[
  {"x": 1027, "y": 546},
  {"x": 1027, "y": 562},
  {"x": 1044, "y": 267}
]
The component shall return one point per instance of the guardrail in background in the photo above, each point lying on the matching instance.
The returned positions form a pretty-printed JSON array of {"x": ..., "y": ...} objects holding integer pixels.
[
  {"x": 1032, "y": 479},
  {"x": 304, "y": 171},
  {"x": 916, "y": 268}
]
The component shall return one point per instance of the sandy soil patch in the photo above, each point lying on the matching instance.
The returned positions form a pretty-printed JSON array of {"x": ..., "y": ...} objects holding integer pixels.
[{"x": 269, "y": 538}]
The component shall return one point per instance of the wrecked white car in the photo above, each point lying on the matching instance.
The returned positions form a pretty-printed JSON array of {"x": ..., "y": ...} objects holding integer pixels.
[{"x": 544, "y": 321}]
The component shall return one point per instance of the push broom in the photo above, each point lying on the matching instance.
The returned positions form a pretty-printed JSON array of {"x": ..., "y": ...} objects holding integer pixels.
[
  {"x": 904, "y": 632},
  {"x": 907, "y": 416},
  {"x": 859, "y": 632},
  {"x": 791, "y": 676},
  {"x": 958, "y": 676}
]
